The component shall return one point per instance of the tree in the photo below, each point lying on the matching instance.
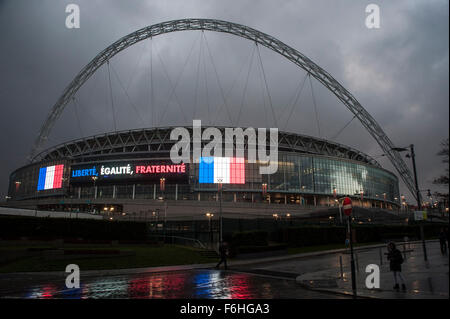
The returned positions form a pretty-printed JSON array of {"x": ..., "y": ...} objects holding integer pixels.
[{"x": 443, "y": 179}]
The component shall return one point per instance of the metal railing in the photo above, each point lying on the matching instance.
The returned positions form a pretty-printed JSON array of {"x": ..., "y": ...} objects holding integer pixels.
[{"x": 178, "y": 240}]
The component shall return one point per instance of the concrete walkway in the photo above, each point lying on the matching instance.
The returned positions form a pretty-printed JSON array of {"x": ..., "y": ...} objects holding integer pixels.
[{"x": 424, "y": 280}]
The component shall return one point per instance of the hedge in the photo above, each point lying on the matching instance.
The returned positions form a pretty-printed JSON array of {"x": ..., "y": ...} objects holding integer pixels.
[
  {"x": 250, "y": 238},
  {"x": 322, "y": 235},
  {"x": 259, "y": 249},
  {"x": 55, "y": 228},
  {"x": 310, "y": 235}
]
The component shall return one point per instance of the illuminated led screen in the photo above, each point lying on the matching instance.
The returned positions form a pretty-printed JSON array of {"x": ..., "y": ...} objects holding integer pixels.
[
  {"x": 145, "y": 171},
  {"x": 50, "y": 177},
  {"x": 225, "y": 170}
]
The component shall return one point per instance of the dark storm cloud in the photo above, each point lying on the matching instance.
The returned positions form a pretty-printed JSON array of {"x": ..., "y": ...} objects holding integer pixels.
[{"x": 399, "y": 72}]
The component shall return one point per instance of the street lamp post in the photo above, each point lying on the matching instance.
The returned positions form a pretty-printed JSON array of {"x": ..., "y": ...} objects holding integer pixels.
[
  {"x": 264, "y": 191},
  {"x": 220, "y": 215},
  {"x": 362, "y": 197},
  {"x": 94, "y": 179},
  {"x": 416, "y": 184},
  {"x": 413, "y": 158},
  {"x": 396, "y": 200},
  {"x": 334, "y": 196},
  {"x": 209, "y": 216},
  {"x": 162, "y": 186}
]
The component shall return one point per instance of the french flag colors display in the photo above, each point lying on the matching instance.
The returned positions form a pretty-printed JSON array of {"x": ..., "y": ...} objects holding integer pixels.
[
  {"x": 225, "y": 170},
  {"x": 50, "y": 177}
]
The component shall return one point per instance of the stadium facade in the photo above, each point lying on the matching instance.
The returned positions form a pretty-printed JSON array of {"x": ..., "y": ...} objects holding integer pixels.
[{"x": 131, "y": 171}]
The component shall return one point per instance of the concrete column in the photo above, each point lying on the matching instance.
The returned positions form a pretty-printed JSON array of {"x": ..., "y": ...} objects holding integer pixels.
[
  {"x": 234, "y": 197},
  {"x": 134, "y": 191},
  {"x": 154, "y": 191},
  {"x": 315, "y": 200},
  {"x": 79, "y": 192},
  {"x": 285, "y": 199},
  {"x": 176, "y": 191},
  {"x": 114, "y": 191},
  {"x": 198, "y": 195}
]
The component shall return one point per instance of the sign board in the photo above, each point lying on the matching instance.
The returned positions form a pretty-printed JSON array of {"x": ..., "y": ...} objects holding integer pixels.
[
  {"x": 222, "y": 170},
  {"x": 50, "y": 177},
  {"x": 142, "y": 171},
  {"x": 347, "y": 206},
  {"x": 420, "y": 215}
]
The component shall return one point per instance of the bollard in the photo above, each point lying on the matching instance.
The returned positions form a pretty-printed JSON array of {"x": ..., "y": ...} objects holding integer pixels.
[
  {"x": 381, "y": 256},
  {"x": 340, "y": 266}
]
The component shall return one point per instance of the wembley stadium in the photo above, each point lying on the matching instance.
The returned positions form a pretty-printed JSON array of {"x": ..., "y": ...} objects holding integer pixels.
[{"x": 131, "y": 172}]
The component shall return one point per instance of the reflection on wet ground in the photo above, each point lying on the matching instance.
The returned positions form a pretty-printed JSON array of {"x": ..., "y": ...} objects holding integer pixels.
[
  {"x": 206, "y": 283},
  {"x": 266, "y": 280}
]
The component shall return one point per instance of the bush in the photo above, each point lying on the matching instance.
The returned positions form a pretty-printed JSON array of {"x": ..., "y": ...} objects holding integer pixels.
[
  {"x": 312, "y": 235},
  {"x": 250, "y": 238},
  {"x": 374, "y": 233},
  {"x": 55, "y": 228},
  {"x": 322, "y": 235},
  {"x": 260, "y": 249}
]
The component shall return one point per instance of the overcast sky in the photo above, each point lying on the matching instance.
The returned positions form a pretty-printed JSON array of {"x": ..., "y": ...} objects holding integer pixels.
[{"x": 399, "y": 72}]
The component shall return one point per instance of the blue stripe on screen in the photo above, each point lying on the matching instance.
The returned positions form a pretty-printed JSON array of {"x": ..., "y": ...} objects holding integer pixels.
[
  {"x": 41, "y": 180},
  {"x": 206, "y": 170}
]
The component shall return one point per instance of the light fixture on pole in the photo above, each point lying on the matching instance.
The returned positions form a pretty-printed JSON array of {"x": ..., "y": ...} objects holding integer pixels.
[
  {"x": 94, "y": 179},
  {"x": 362, "y": 197},
  {"x": 209, "y": 216},
  {"x": 162, "y": 187},
  {"x": 219, "y": 186}
]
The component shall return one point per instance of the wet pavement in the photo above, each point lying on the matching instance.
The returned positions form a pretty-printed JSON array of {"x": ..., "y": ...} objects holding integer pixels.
[
  {"x": 193, "y": 284},
  {"x": 306, "y": 276},
  {"x": 424, "y": 280}
]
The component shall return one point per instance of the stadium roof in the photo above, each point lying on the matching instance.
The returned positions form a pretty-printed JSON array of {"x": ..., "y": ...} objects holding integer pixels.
[{"x": 157, "y": 141}]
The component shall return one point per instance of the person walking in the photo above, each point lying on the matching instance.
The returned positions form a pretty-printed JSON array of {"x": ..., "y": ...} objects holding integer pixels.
[
  {"x": 223, "y": 251},
  {"x": 443, "y": 241},
  {"x": 395, "y": 263}
]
